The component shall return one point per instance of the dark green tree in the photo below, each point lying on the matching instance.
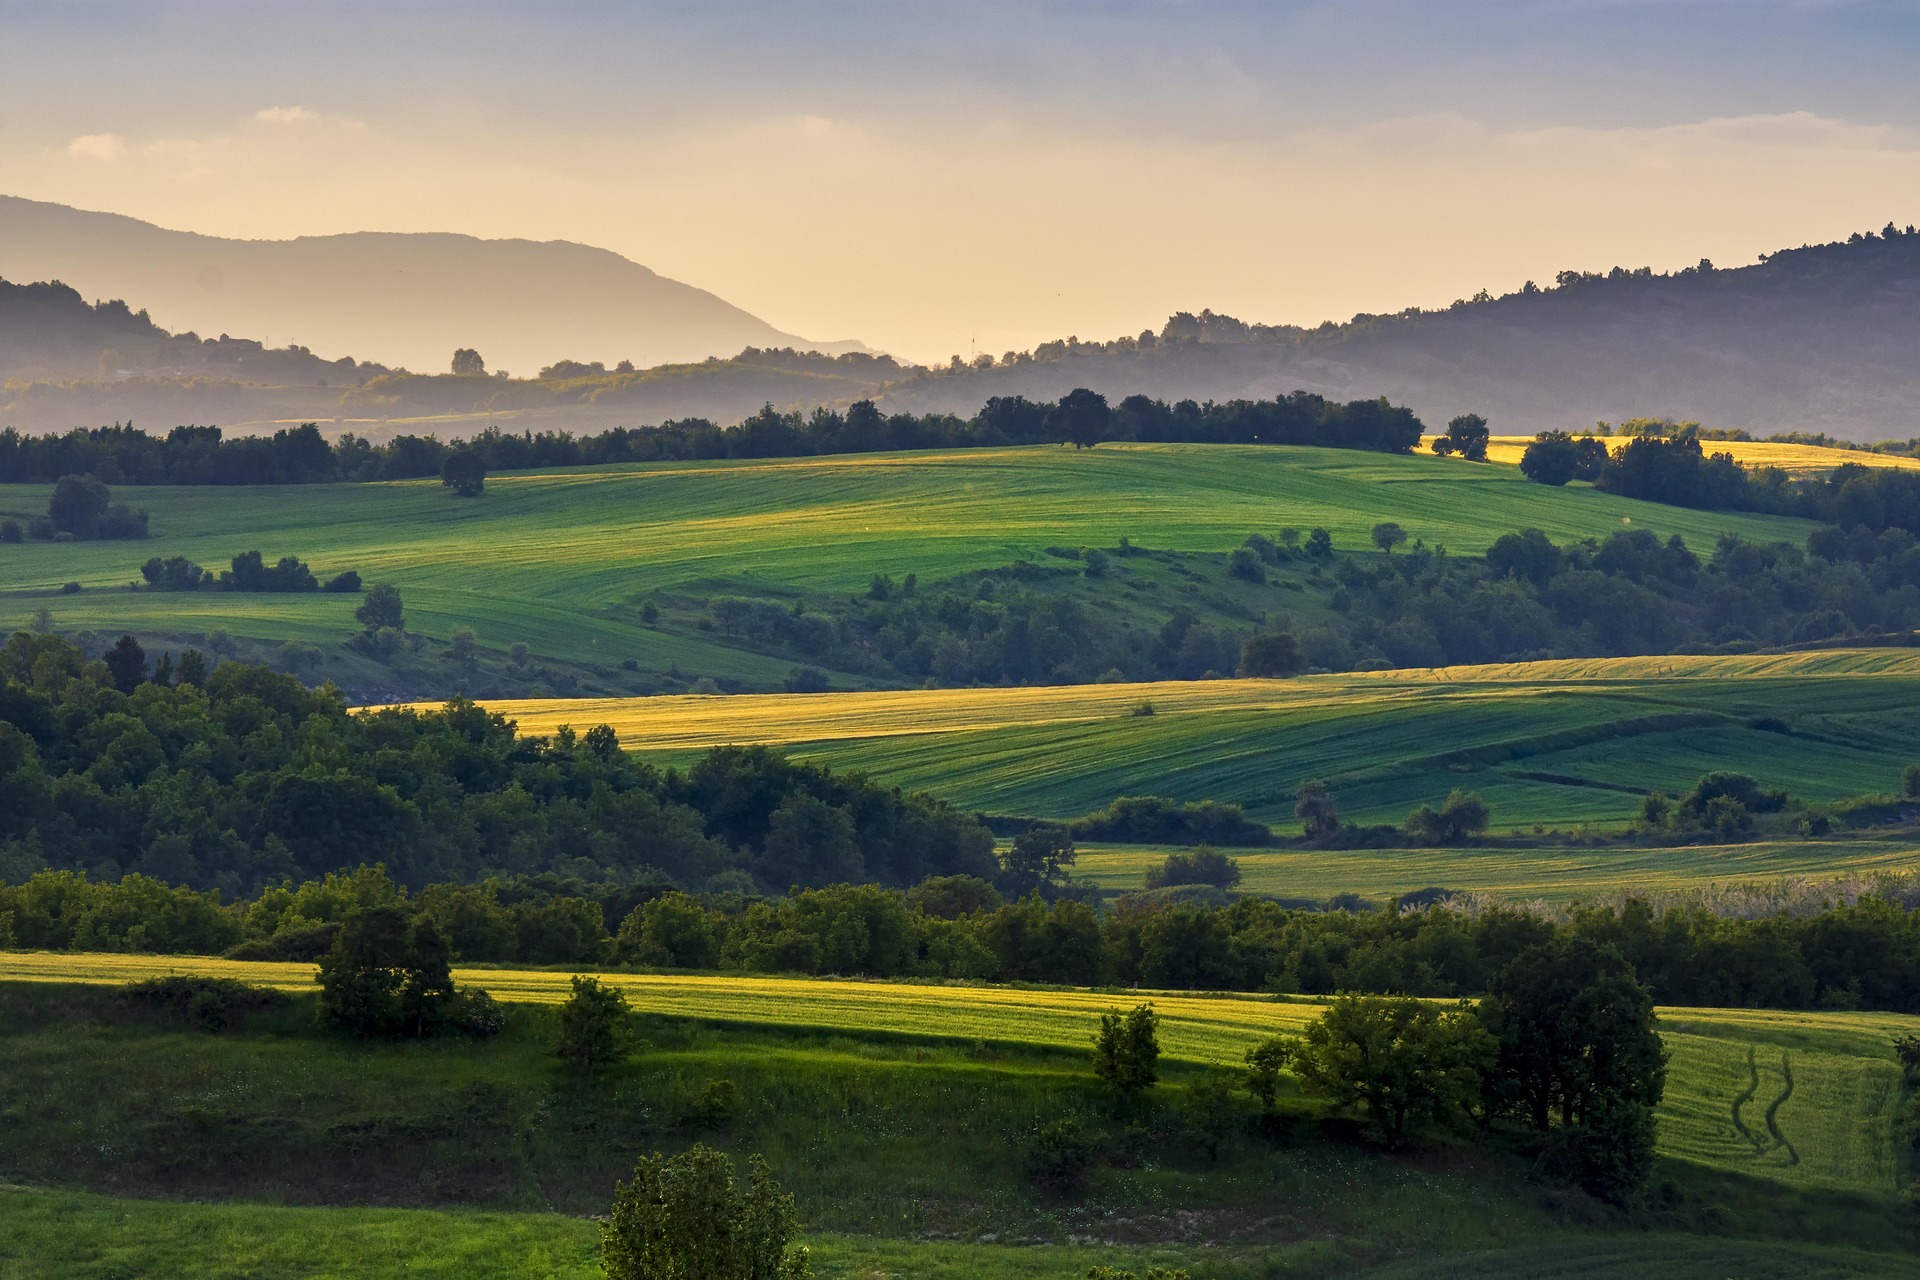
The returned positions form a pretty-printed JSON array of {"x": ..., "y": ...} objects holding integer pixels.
[
  {"x": 1467, "y": 435},
  {"x": 1387, "y": 535},
  {"x": 593, "y": 1029},
  {"x": 388, "y": 974},
  {"x": 1319, "y": 544},
  {"x": 1271, "y": 655},
  {"x": 127, "y": 664},
  {"x": 1081, "y": 418},
  {"x": 1126, "y": 1053},
  {"x": 1039, "y": 856},
  {"x": 77, "y": 504},
  {"x": 467, "y": 363},
  {"x": 1551, "y": 459},
  {"x": 1405, "y": 1061},
  {"x": 381, "y": 608},
  {"x": 685, "y": 1217},
  {"x": 464, "y": 472},
  {"x": 1313, "y": 804},
  {"x": 1463, "y": 814}
]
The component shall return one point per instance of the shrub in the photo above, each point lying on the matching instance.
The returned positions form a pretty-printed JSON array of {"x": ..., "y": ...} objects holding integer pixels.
[
  {"x": 1245, "y": 564},
  {"x": 686, "y": 1216},
  {"x": 1313, "y": 805},
  {"x": 206, "y": 1004},
  {"x": 1096, "y": 562},
  {"x": 807, "y": 680},
  {"x": 716, "y": 1106},
  {"x": 345, "y": 584},
  {"x": 593, "y": 1026},
  {"x": 1152, "y": 1273},
  {"x": 10, "y": 531},
  {"x": 1202, "y": 866},
  {"x": 1268, "y": 656},
  {"x": 1126, "y": 1053},
  {"x": 388, "y": 975},
  {"x": 1059, "y": 1156},
  {"x": 1910, "y": 782},
  {"x": 1463, "y": 815}
]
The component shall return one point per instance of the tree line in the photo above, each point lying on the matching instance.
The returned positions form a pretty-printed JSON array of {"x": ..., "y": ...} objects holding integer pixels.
[
  {"x": 234, "y": 776},
  {"x": 1859, "y": 955},
  {"x": 203, "y": 455}
]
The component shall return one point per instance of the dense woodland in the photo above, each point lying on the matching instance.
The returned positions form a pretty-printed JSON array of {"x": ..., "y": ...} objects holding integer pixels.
[
  {"x": 301, "y": 455},
  {"x": 238, "y": 777}
]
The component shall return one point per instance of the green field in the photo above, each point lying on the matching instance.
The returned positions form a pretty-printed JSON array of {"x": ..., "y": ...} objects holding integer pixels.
[
  {"x": 897, "y": 1112},
  {"x": 1560, "y": 744},
  {"x": 562, "y": 561}
]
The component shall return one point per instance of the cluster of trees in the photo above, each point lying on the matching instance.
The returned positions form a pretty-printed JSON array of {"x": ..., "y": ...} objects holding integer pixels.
[
  {"x": 1158, "y": 820},
  {"x": 1663, "y": 462},
  {"x": 301, "y": 455},
  {"x": 81, "y": 509},
  {"x": 1009, "y": 627},
  {"x": 249, "y": 572},
  {"x": 1631, "y": 593},
  {"x": 239, "y": 777},
  {"x": 1863, "y": 955}
]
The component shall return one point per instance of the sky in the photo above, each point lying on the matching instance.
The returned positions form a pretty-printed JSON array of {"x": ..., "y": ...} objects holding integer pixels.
[{"x": 937, "y": 178}]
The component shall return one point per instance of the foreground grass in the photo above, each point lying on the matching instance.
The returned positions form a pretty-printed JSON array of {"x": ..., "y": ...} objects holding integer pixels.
[
  {"x": 1833, "y": 1075},
  {"x": 561, "y": 561},
  {"x": 1556, "y": 744}
]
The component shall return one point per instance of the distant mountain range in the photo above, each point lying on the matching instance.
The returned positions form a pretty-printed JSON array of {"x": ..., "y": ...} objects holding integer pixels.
[
  {"x": 1821, "y": 338},
  {"x": 399, "y": 299}
]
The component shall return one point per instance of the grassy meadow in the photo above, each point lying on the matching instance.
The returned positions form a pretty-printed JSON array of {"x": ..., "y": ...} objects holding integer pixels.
[
  {"x": 1561, "y": 744},
  {"x": 563, "y": 561},
  {"x": 898, "y": 1113}
]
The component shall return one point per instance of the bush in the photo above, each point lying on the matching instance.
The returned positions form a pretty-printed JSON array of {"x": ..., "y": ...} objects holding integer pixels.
[
  {"x": 1202, "y": 866},
  {"x": 345, "y": 584},
  {"x": 1403, "y": 1060},
  {"x": 1126, "y": 1053},
  {"x": 10, "y": 531},
  {"x": 1275, "y": 654},
  {"x": 807, "y": 680},
  {"x": 685, "y": 1216},
  {"x": 1611, "y": 1154},
  {"x": 1910, "y": 782},
  {"x": 716, "y": 1106},
  {"x": 205, "y": 1004},
  {"x": 388, "y": 975},
  {"x": 1245, "y": 564},
  {"x": 1059, "y": 1156},
  {"x": 1463, "y": 815},
  {"x": 593, "y": 1026}
]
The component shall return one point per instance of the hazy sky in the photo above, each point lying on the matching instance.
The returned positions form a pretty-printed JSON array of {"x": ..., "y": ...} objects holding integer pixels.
[{"x": 924, "y": 175}]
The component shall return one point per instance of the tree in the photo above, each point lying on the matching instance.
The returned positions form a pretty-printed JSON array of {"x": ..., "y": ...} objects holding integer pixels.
[
  {"x": 1910, "y": 782},
  {"x": 1265, "y": 1061},
  {"x": 1404, "y": 1060},
  {"x": 77, "y": 505},
  {"x": 1202, "y": 866},
  {"x": 1313, "y": 805},
  {"x": 1081, "y": 418},
  {"x": 388, "y": 974},
  {"x": 1467, "y": 435},
  {"x": 381, "y": 608},
  {"x": 811, "y": 843},
  {"x": 593, "y": 1026},
  {"x": 1387, "y": 535},
  {"x": 1126, "y": 1053},
  {"x": 460, "y": 645},
  {"x": 1038, "y": 856},
  {"x": 127, "y": 664},
  {"x": 671, "y": 932},
  {"x": 1464, "y": 814},
  {"x": 464, "y": 472},
  {"x": 467, "y": 363},
  {"x": 1551, "y": 459},
  {"x": 685, "y": 1217},
  {"x": 1319, "y": 544},
  {"x": 1273, "y": 654},
  {"x": 193, "y": 667},
  {"x": 1578, "y": 1042}
]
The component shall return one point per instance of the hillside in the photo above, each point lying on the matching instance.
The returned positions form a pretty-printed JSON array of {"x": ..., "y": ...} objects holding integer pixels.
[
  {"x": 567, "y": 563},
  {"x": 1814, "y": 339},
  {"x": 405, "y": 299}
]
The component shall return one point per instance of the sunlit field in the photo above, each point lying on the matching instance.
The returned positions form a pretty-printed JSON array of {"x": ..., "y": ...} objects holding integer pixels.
[{"x": 1795, "y": 459}]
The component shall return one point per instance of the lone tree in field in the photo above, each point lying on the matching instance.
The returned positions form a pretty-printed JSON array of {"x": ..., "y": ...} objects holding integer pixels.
[
  {"x": 464, "y": 473},
  {"x": 593, "y": 1026},
  {"x": 382, "y": 608},
  {"x": 1467, "y": 435},
  {"x": 467, "y": 362},
  {"x": 1387, "y": 535},
  {"x": 388, "y": 975},
  {"x": 1126, "y": 1053},
  {"x": 684, "y": 1217},
  {"x": 1313, "y": 805}
]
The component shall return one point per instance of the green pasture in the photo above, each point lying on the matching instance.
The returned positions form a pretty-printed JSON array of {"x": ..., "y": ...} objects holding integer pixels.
[
  {"x": 562, "y": 561},
  {"x": 1551, "y": 873},
  {"x": 1559, "y": 750}
]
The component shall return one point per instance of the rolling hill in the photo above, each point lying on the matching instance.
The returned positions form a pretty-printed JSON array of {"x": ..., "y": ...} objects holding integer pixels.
[
  {"x": 1814, "y": 339},
  {"x": 402, "y": 298}
]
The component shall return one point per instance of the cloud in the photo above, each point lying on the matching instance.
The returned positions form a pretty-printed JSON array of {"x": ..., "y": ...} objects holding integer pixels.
[
  {"x": 285, "y": 115},
  {"x": 98, "y": 146}
]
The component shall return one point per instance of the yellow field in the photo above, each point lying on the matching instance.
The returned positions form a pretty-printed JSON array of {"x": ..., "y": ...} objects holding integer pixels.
[
  {"x": 691, "y": 721},
  {"x": 1797, "y": 459}
]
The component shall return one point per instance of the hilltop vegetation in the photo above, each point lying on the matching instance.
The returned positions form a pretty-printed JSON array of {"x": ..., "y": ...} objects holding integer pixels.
[{"x": 597, "y": 568}]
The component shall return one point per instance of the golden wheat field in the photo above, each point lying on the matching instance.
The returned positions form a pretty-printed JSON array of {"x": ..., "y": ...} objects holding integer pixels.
[{"x": 1796, "y": 459}]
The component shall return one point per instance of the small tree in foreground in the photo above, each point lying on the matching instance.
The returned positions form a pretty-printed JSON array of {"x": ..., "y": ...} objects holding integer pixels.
[
  {"x": 593, "y": 1025},
  {"x": 685, "y": 1216},
  {"x": 1406, "y": 1061},
  {"x": 1126, "y": 1052}
]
